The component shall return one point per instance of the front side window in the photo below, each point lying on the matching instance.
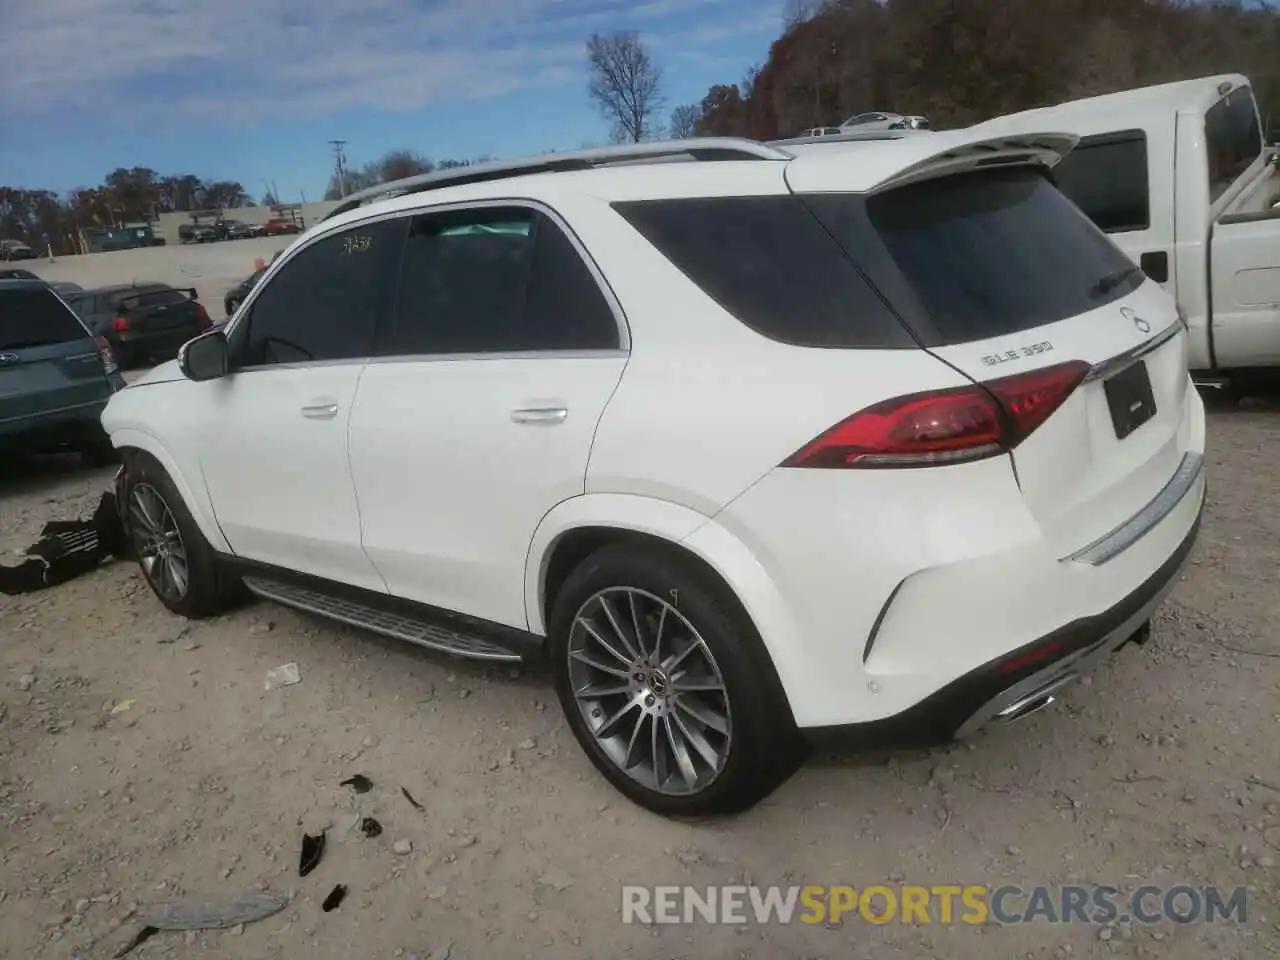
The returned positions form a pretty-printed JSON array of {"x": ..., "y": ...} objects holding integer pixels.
[
  {"x": 1233, "y": 138},
  {"x": 495, "y": 280},
  {"x": 325, "y": 302},
  {"x": 1107, "y": 178}
]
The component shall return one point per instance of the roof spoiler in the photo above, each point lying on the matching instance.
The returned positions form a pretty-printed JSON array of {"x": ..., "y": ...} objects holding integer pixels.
[{"x": 1033, "y": 149}]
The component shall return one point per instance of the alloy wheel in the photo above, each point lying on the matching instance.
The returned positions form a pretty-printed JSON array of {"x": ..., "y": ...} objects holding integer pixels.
[
  {"x": 649, "y": 690},
  {"x": 158, "y": 542}
]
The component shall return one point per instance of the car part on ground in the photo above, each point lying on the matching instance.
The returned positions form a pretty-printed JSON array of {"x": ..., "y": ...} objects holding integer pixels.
[{"x": 735, "y": 439}]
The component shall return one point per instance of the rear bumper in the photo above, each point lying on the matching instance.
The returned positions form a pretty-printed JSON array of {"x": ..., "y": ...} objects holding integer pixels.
[
  {"x": 54, "y": 429},
  {"x": 160, "y": 343},
  {"x": 1023, "y": 680}
]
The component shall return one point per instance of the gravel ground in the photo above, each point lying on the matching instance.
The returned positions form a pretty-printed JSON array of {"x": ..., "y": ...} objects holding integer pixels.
[{"x": 1164, "y": 769}]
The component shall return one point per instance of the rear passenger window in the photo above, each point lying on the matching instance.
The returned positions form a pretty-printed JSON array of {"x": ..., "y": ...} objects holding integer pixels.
[
  {"x": 770, "y": 263},
  {"x": 495, "y": 281},
  {"x": 325, "y": 302},
  {"x": 1106, "y": 177},
  {"x": 34, "y": 317}
]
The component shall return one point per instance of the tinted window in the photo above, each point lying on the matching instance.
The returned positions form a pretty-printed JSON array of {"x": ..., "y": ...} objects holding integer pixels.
[
  {"x": 985, "y": 254},
  {"x": 1233, "y": 138},
  {"x": 17, "y": 275},
  {"x": 767, "y": 261},
  {"x": 495, "y": 281},
  {"x": 35, "y": 318},
  {"x": 150, "y": 296},
  {"x": 1106, "y": 177},
  {"x": 324, "y": 303}
]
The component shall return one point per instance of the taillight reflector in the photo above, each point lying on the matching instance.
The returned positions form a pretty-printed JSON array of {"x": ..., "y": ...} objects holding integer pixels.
[
  {"x": 202, "y": 315},
  {"x": 120, "y": 324},
  {"x": 945, "y": 426}
]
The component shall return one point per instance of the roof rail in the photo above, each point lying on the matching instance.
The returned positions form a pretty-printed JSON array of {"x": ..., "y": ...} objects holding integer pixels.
[
  {"x": 852, "y": 135},
  {"x": 696, "y": 148}
]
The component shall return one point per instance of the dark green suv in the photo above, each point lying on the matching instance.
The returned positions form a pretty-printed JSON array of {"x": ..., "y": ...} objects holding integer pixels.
[{"x": 55, "y": 377}]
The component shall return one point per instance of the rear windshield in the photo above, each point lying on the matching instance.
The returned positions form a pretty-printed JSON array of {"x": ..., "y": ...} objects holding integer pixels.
[
  {"x": 767, "y": 261},
  {"x": 1233, "y": 137},
  {"x": 981, "y": 254},
  {"x": 17, "y": 275},
  {"x": 147, "y": 297},
  {"x": 35, "y": 318}
]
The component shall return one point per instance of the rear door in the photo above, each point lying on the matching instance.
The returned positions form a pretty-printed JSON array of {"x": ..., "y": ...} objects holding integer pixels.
[
  {"x": 48, "y": 361},
  {"x": 1001, "y": 275},
  {"x": 479, "y": 414}
]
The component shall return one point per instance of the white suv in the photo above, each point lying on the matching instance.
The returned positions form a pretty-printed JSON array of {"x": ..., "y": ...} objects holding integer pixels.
[{"x": 748, "y": 445}]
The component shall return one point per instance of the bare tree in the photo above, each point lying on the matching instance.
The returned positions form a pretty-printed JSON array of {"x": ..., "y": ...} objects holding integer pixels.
[
  {"x": 684, "y": 121},
  {"x": 625, "y": 84}
]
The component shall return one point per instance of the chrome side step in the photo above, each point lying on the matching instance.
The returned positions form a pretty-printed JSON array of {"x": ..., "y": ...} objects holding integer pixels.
[{"x": 399, "y": 626}]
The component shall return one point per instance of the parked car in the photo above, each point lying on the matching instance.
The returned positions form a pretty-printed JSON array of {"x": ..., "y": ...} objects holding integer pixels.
[
  {"x": 277, "y": 228},
  {"x": 61, "y": 287},
  {"x": 16, "y": 250},
  {"x": 1179, "y": 177},
  {"x": 884, "y": 121},
  {"x": 749, "y": 446},
  {"x": 234, "y": 230},
  {"x": 143, "y": 322},
  {"x": 197, "y": 233},
  {"x": 55, "y": 377},
  {"x": 237, "y": 294}
]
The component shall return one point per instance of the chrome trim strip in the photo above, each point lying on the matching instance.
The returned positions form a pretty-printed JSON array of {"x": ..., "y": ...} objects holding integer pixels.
[
  {"x": 1108, "y": 368},
  {"x": 1112, "y": 544}
]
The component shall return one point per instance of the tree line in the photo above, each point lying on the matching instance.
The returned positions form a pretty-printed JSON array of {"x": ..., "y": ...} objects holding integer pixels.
[
  {"x": 955, "y": 61},
  {"x": 126, "y": 196},
  {"x": 395, "y": 165}
]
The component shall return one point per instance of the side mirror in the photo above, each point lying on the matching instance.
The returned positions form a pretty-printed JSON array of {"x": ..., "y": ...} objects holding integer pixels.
[{"x": 205, "y": 357}]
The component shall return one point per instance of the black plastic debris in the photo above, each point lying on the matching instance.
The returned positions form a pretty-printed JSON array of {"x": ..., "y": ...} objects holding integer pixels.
[
  {"x": 334, "y": 899},
  {"x": 359, "y": 783},
  {"x": 370, "y": 827},
  {"x": 312, "y": 851},
  {"x": 145, "y": 934},
  {"x": 68, "y": 548},
  {"x": 409, "y": 796}
]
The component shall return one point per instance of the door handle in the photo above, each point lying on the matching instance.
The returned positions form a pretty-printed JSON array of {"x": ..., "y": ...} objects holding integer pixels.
[
  {"x": 540, "y": 415},
  {"x": 320, "y": 411}
]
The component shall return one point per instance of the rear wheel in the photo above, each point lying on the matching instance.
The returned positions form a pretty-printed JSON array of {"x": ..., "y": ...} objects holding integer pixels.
[
  {"x": 667, "y": 687},
  {"x": 177, "y": 562}
]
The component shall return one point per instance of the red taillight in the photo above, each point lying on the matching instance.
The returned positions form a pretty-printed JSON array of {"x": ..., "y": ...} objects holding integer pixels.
[
  {"x": 120, "y": 324},
  {"x": 109, "y": 364},
  {"x": 945, "y": 426},
  {"x": 202, "y": 315}
]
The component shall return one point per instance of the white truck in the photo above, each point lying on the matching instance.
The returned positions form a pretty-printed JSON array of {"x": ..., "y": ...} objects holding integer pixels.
[{"x": 1181, "y": 178}]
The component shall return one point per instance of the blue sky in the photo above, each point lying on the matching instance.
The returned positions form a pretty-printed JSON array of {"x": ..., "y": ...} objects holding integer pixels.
[{"x": 251, "y": 90}]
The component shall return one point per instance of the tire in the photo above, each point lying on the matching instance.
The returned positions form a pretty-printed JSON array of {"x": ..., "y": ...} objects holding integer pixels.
[
  {"x": 208, "y": 590},
  {"x": 737, "y": 716}
]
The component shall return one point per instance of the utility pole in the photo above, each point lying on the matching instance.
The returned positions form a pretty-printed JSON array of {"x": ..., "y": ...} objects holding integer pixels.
[{"x": 340, "y": 165}]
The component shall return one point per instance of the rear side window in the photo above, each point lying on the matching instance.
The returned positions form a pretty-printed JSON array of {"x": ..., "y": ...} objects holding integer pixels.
[
  {"x": 1233, "y": 137},
  {"x": 35, "y": 318},
  {"x": 771, "y": 264},
  {"x": 495, "y": 281},
  {"x": 1106, "y": 177},
  {"x": 984, "y": 254}
]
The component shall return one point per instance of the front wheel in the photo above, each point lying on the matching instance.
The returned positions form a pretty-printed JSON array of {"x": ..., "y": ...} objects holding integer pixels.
[
  {"x": 667, "y": 687},
  {"x": 177, "y": 562}
]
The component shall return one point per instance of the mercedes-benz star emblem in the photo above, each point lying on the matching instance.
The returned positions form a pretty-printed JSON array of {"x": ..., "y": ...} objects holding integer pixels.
[{"x": 1138, "y": 322}]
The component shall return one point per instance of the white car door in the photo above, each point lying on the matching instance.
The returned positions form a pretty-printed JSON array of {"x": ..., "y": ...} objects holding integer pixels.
[
  {"x": 274, "y": 444},
  {"x": 477, "y": 418}
]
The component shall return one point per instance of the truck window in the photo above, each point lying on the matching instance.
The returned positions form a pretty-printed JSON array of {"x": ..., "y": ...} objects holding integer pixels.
[
  {"x": 1106, "y": 177},
  {"x": 1233, "y": 138}
]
